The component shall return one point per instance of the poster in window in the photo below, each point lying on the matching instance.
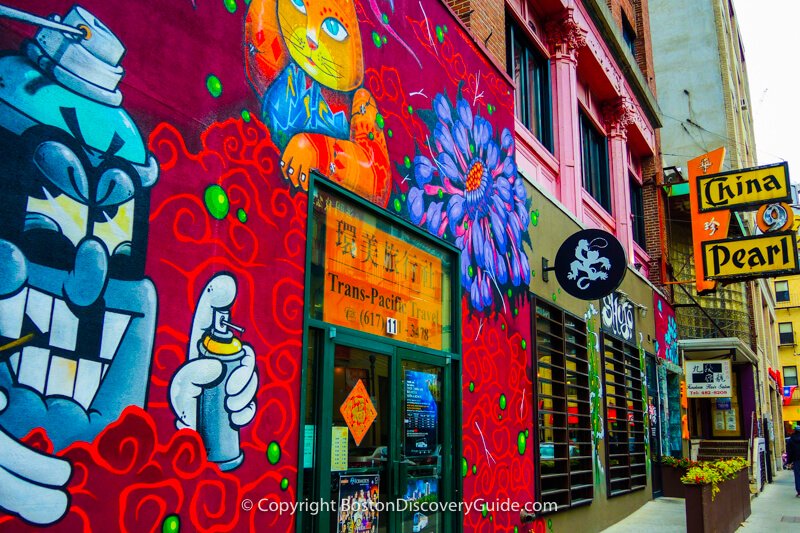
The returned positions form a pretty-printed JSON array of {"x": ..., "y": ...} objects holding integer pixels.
[
  {"x": 421, "y": 416},
  {"x": 419, "y": 491},
  {"x": 358, "y": 504}
]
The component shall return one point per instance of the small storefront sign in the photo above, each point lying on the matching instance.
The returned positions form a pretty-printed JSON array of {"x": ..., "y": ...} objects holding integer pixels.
[
  {"x": 723, "y": 404},
  {"x": 618, "y": 317},
  {"x": 422, "y": 418},
  {"x": 358, "y": 503},
  {"x": 744, "y": 188},
  {"x": 708, "y": 379},
  {"x": 590, "y": 264},
  {"x": 377, "y": 281},
  {"x": 358, "y": 411},
  {"x": 339, "y": 457},
  {"x": 771, "y": 254}
]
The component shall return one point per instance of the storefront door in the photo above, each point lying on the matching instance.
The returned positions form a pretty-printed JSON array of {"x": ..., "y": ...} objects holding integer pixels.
[
  {"x": 654, "y": 412},
  {"x": 388, "y": 445}
]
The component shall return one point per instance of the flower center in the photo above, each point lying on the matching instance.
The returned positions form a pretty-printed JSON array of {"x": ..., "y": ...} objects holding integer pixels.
[{"x": 474, "y": 176}]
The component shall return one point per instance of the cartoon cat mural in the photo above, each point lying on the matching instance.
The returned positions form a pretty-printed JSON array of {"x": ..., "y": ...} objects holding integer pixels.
[
  {"x": 305, "y": 61},
  {"x": 77, "y": 314}
]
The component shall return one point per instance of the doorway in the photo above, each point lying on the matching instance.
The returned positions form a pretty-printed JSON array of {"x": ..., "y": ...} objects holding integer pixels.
[{"x": 384, "y": 460}]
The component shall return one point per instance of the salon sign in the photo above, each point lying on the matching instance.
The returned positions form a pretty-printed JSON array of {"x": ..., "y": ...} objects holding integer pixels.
[{"x": 708, "y": 379}]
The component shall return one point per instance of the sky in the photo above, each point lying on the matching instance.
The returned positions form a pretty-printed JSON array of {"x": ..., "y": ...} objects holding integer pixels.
[{"x": 770, "y": 32}]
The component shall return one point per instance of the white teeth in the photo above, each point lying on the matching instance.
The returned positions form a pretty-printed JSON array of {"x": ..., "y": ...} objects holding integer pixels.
[
  {"x": 61, "y": 379},
  {"x": 87, "y": 381},
  {"x": 64, "y": 328},
  {"x": 114, "y": 326},
  {"x": 39, "y": 309},
  {"x": 12, "y": 310},
  {"x": 15, "y": 363},
  {"x": 33, "y": 367}
]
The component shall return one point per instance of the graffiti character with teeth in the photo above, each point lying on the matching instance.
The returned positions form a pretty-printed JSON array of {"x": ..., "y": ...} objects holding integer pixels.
[{"x": 77, "y": 314}]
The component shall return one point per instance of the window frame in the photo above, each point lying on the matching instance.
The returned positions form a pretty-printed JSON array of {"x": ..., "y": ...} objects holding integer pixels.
[
  {"x": 637, "y": 212},
  {"x": 627, "y": 360},
  {"x": 536, "y": 62},
  {"x": 787, "y": 377},
  {"x": 570, "y": 483},
  {"x": 629, "y": 35},
  {"x": 782, "y": 295},
  {"x": 596, "y": 174},
  {"x": 786, "y": 338}
]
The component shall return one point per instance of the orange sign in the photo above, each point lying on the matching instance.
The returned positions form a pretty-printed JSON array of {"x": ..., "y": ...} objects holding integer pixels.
[
  {"x": 705, "y": 226},
  {"x": 379, "y": 283},
  {"x": 358, "y": 412}
]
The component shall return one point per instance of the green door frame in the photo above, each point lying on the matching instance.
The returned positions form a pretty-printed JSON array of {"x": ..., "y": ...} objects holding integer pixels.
[{"x": 450, "y": 361}]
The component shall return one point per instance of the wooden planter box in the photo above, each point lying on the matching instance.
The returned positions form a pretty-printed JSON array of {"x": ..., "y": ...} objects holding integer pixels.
[
  {"x": 671, "y": 481},
  {"x": 725, "y": 513}
]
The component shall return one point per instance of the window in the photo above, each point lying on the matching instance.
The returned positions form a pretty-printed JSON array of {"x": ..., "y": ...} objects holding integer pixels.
[
  {"x": 625, "y": 431},
  {"x": 629, "y": 35},
  {"x": 531, "y": 72},
  {"x": 637, "y": 213},
  {"x": 790, "y": 376},
  {"x": 785, "y": 333},
  {"x": 782, "y": 291},
  {"x": 594, "y": 158},
  {"x": 562, "y": 409}
]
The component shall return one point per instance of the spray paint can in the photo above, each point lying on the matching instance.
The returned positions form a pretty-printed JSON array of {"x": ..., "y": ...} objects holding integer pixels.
[{"x": 214, "y": 425}]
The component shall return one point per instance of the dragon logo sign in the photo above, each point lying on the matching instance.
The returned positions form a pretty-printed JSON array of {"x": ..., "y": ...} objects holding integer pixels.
[{"x": 590, "y": 264}]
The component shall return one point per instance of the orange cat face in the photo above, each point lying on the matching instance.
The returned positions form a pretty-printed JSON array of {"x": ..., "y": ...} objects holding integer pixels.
[{"x": 323, "y": 38}]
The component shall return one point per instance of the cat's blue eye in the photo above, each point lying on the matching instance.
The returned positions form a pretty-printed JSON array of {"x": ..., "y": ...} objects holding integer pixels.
[
  {"x": 335, "y": 29},
  {"x": 301, "y": 7}
]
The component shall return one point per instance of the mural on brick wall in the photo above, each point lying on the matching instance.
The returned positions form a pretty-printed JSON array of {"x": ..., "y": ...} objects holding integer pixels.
[
  {"x": 152, "y": 249},
  {"x": 666, "y": 342}
]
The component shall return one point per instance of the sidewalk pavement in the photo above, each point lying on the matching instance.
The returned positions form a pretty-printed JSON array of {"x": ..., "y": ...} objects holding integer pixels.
[{"x": 775, "y": 510}]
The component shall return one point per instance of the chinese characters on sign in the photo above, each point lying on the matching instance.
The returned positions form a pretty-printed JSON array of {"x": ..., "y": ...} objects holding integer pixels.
[
  {"x": 708, "y": 379},
  {"x": 375, "y": 281},
  {"x": 358, "y": 412}
]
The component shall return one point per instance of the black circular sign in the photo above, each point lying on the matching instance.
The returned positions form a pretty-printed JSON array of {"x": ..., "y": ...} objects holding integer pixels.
[{"x": 590, "y": 264}]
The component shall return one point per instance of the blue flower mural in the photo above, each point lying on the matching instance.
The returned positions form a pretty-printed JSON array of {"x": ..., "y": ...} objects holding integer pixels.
[{"x": 467, "y": 190}]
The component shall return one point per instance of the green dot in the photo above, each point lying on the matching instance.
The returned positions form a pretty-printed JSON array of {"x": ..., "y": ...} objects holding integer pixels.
[
  {"x": 241, "y": 214},
  {"x": 403, "y": 197},
  {"x": 522, "y": 442},
  {"x": 390, "y": 133},
  {"x": 213, "y": 85},
  {"x": 526, "y": 433},
  {"x": 410, "y": 110},
  {"x": 230, "y": 5},
  {"x": 510, "y": 293},
  {"x": 516, "y": 312},
  {"x": 440, "y": 194},
  {"x": 379, "y": 120},
  {"x": 217, "y": 201},
  {"x": 274, "y": 452},
  {"x": 472, "y": 147},
  {"x": 371, "y": 136},
  {"x": 284, "y": 484},
  {"x": 485, "y": 510},
  {"x": 474, "y": 469},
  {"x": 549, "y": 523},
  {"x": 489, "y": 108},
  {"x": 376, "y": 39},
  {"x": 466, "y": 225},
  {"x": 524, "y": 344},
  {"x": 397, "y": 205},
  {"x": 246, "y": 115},
  {"x": 516, "y": 529},
  {"x": 171, "y": 524},
  {"x": 471, "y": 271},
  {"x": 445, "y": 28},
  {"x": 499, "y": 417},
  {"x": 407, "y": 161},
  {"x": 503, "y": 327},
  {"x": 464, "y": 467},
  {"x": 503, "y": 401},
  {"x": 535, "y": 217},
  {"x": 472, "y": 386},
  {"x": 554, "y": 297},
  {"x": 440, "y": 34},
  {"x": 384, "y": 39},
  {"x": 385, "y": 18}
]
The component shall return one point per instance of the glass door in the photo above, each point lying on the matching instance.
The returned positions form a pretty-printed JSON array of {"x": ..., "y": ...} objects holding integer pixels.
[{"x": 385, "y": 458}]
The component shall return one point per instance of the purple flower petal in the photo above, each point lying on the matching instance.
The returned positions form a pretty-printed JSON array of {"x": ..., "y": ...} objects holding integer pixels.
[
  {"x": 443, "y": 136},
  {"x": 481, "y": 132},
  {"x": 522, "y": 213},
  {"x": 509, "y": 167},
  {"x": 516, "y": 274},
  {"x": 499, "y": 232},
  {"x": 526, "y": 269},
  {"x": 475, "y": 297},
  {"x": 455, "y": 211},
  {"x": 416, "y": 205},
  {"x": 503, "y": 188},
  {"x": 464, "y": 113},
  {"x": 466, "y": 280},
  {"x": 514, "y": 225},
  {"x": 477, "y": 244},
  {"x": 448, "y": 166},
  {"x": 500, "y": 209},
  {"x": 507, "y": 141},
  {"x": 442, "y": 107},
  {"x": 423, "y": 170},
  {"x": 462, "y": 140},
  {"x": 492, "y": 156},
  {"x": 486, "y": 292},
  {"x": 519, "y": 189},
  {"x": 434, "y": 218},
  {"x": 502, "y": 270}
]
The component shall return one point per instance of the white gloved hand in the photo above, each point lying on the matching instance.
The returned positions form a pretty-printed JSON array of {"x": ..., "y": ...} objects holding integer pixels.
[{"x": 32, "y": 484}]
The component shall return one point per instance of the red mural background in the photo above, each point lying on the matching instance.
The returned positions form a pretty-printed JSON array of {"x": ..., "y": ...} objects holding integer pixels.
[{"x": 140, "y": 473}]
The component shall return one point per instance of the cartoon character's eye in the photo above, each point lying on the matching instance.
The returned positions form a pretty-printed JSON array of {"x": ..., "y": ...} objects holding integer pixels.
[
  {"x": 301, "y": 7},
  {"x": 335, "y": 29}
]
